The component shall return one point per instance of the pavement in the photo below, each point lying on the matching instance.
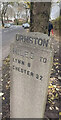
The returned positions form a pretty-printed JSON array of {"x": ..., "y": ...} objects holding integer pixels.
[{"x": 7, "y": 36}]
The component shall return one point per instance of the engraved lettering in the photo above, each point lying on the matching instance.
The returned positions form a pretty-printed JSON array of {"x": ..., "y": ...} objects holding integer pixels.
[
  {"x": 41, "y": 77},
  {"x": 26, "y": 54},
  {"x": 44, "y": 60},
  {"x": 32, "y": 56},
  {"x": 45, "y": 43},
  {"x": 29, "y": 64},
  {"x": 13, "y": 67},
  {"x": 27, "y": 39},
  {"x": 21, "y": 70},
  {"x": 37, "y": 76},
  {"x": 22, "y": 62},
  {"x": 31, "y": 40},
  {"x": 41, "y": 59},
  {"x": 28, "y": 72},
  {"x": 32, "y": 74},
  {"x": 15, "y": 60},
  {"x": 25, "y": 71},
  {"x": 40, "y": 42},
  {"x": 19, "y": 61}
]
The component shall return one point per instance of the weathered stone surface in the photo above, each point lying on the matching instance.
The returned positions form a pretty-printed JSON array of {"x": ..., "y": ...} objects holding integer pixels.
[
  {"x": 34, "y": 38},
  {"x": 30, "y": 71}
]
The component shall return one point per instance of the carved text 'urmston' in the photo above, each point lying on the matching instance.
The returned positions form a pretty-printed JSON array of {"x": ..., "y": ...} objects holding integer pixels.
[{"x": 36, "y": 41}]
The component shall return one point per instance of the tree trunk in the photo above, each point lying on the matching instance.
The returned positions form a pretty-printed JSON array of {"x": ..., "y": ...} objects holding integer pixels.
[
  {"x": 7, "y": 18},
  {"x": 2, "y": 20},
  {"x": 60, "y": 12},
  {"x": 39, "y": 16},
  {"x": 26, "y": 16}
]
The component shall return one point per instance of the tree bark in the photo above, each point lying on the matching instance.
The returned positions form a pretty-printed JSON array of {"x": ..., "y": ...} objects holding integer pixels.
[
  {"x": 39, "y": 16},
  {"x": 2, "y": 20},
  {"x": 60, "y": 12}
]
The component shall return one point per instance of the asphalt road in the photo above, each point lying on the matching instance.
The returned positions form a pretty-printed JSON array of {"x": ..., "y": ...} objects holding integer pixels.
[{"x": 7, "y": 36}]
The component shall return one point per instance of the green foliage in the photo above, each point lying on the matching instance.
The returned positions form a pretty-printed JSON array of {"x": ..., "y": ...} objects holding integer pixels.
[
  {"x": 27, "y": 3},
  {"x": 58, "y": 19},
  {"x": 57, "y": 23}
]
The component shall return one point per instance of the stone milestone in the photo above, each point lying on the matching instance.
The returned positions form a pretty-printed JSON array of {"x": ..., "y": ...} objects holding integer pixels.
[{"x": 31, "y": 61}]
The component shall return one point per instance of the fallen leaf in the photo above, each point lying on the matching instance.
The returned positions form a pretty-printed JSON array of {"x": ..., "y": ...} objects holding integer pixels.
[
  {"x": 57, "y": 108},
  {"x": 3, "y": 98},
  {"x": 57, "y": 89},
  {"x": 1, "y": 80},
  {"x": 60, "y": 113},
  {"x": 54, "y": 86},
  {"x": 1, "y": 94},
  {"x": 0, "y": 113}
]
